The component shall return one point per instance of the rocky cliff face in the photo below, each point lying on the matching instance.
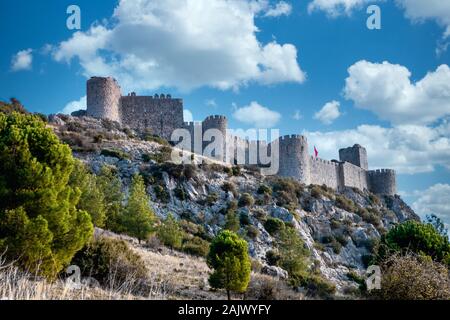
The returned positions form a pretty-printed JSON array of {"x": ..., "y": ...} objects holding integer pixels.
[{"x": 339, "y": 229}]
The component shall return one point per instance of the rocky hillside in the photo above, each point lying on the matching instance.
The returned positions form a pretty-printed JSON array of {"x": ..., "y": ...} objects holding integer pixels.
[{"x": 338, "y": 228}]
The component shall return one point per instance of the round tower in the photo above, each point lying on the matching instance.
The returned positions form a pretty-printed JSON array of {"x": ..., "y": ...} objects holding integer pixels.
[
  {"x": 103, "y": 98},
  {"x": 294, "y": 160},
  {"x": 219, "y": 123},
  {"x": 383, "y": 182}
]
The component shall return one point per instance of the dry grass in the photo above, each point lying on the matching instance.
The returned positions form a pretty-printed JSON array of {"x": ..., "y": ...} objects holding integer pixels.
[{"x": 19, "y": 285}]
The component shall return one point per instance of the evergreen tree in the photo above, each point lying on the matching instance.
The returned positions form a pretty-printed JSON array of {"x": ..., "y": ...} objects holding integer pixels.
[
  {"x": 228, "y": 256},
  {"x": 92, "y": 198},
  {"x": 40, "y": 225},
  {"x": 232, "y": 221},
  {"x": 138, "y": 217},
  {"x": 170, "y": 233},
  {"x": 111, "y": 186}
]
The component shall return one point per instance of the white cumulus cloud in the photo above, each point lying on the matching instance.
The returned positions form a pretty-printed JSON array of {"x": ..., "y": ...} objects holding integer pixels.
[
  {"x": 257, "y": 115},
  {"x": 434, "y": 200},
  {"x": 419, "y": 10},
  {"x": 282, "y": 8},
  {"x": 387, "y": 90},
  {"x": 22, "y": 60},
  {"x": 74, "y": 106},
  {"x": 334, "y": 8},
  {"x": 184, "y": 44},
  {"x": 328, "y": 113}
]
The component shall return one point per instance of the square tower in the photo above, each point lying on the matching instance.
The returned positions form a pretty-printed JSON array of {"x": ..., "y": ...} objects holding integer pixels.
[{"x": 356, "y": 155}]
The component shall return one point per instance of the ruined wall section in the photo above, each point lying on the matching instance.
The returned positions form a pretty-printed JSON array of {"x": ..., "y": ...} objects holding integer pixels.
[
  {"x": 103, "y": 98},
  {"x": 161, "y": 114}
]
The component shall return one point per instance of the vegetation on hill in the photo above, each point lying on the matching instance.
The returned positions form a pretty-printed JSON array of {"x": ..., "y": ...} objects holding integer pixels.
[
  {"x": 228, "y": 257},
  {"x": 40, "y": 223}
]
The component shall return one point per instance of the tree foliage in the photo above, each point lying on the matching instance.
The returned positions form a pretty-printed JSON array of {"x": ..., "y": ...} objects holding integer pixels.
[
  {"x": 110, "y": 185},
  {"x": 40, "y": 224},
  {"x": 138, "y": 218},
  {"x": 416, "y": 237},
  {"x": 228, "y": 256},
  {"x": 92, "y": 199},
  {"x": 170, "y": 233}
]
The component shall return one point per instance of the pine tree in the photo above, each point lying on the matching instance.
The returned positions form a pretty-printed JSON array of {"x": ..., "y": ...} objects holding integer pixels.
[
  {"x": 170, "y": 233},
  {"x": 92, "y": 199},
  {"x": 40, "y": 225},
  {"x": 228, "y": 256},
  {"x": 138, "y": 217},
  {"x": 111, "y": 186}
]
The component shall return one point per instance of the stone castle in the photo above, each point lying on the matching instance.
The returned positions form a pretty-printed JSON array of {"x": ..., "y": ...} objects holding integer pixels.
[{"x": 162, "y": 114}]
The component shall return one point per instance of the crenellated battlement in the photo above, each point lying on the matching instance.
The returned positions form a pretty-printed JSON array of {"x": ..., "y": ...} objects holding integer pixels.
[{"x": 162, "y": 114}]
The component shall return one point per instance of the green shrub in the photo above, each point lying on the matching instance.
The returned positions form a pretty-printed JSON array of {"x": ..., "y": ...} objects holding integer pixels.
[
  {"x": 244, "y": 219},
  {"x": 411, "y": 277},
  {"x": 112, "y": 263},
  {"x": 264, "y": 189},
  {"x": 114, "y": 153},
  {"x": 273, "y": 225},
  {"x": 146, "y": 157},
  {"x": 212, "y": 198},
  {"x": 228, "y": 257},
  {"x": 345, "y": 204},
  {"x": 318, "y": 286},
  {"x": 252, "y": 232},
  {"x": 232, "y": 221},
  {"x": 229, "y": 187},
  {"x": 41, "y": 227},
  {"x": 196, "y": 246},
  {"x": 161, "y": 193},
  {"x": 416, "y": 237},
  {"x": 164, "y": 154},
  {"x": 170, "y": 233},
  {"x": 180, "y": 193},
  {"x": 236, "y": 170},
  {"x": 273, "y": 257},
  {"x": 246, "y": 200}
]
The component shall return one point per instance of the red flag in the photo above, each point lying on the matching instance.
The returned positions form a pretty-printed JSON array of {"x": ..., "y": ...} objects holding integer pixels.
[{"x": 316, "y": 152}]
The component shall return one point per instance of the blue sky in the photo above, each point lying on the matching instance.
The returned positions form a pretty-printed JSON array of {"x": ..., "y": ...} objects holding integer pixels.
[{"x": 309, "y": 66}]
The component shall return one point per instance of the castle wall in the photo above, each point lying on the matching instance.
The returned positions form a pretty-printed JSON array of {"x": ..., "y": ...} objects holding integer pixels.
[
  {"x": 383, "y": 181},
  {"x": 162, "y": 115},
  {"x": 353, "y": 176},
  {"x": 103, "y": 98},
  {"x": 324, "y": 172}
]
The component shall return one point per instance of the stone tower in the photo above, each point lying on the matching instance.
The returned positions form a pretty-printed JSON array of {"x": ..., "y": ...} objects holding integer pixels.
[
  {"x": 294, "y": 158},
  {"x": 103, "y": 98},
  {"x": 383, "y": 181},
  {"x": 219, "y": 123},
  {"x": 356, "y": 155}
]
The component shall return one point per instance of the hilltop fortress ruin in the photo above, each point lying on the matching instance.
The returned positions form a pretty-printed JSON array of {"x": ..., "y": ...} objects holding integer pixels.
[{"x": 162, "y": 114}]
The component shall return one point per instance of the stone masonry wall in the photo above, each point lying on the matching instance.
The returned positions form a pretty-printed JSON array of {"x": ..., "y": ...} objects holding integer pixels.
[
  {"x": 103, "y": 98},
  {"x": 325, "y": 172},
  {"x": 161, "y": 115}
]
